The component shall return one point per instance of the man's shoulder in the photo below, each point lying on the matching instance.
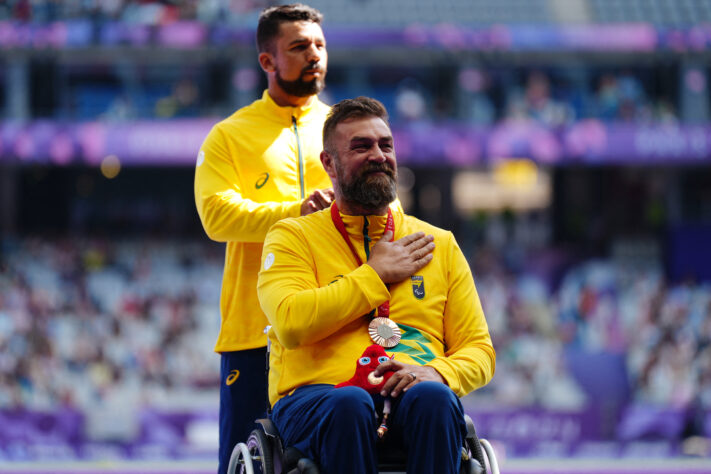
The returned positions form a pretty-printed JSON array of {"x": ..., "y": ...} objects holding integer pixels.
[
  {"x": 413, "y": 224},
  {"x": 245, "y": 115},
  {"x": 305, "y": 225}
]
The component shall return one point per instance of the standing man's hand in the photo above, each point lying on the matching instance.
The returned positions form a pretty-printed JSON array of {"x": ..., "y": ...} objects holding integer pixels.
[
  {"x": 395, "y": 261},
  {"x": 405, "y": 376},
  {"x": 317, "y": 200}
]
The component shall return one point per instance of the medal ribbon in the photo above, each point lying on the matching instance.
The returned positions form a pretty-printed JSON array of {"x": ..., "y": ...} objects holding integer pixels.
[{"x": 383, "y": 309}]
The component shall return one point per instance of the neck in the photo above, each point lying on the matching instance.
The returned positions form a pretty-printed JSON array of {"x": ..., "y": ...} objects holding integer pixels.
[
  {"x": 354, "y": 209},
  {"x": 282, "y": 99}
]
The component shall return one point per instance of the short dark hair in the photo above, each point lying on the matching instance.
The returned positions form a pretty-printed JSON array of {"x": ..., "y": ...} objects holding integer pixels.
[
  {"x": 360, "y": 107},
  {"x": 271, "y": 19}
]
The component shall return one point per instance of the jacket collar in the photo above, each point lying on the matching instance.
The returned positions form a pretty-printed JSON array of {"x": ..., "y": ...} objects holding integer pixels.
[{"x": 285, "y": 114}]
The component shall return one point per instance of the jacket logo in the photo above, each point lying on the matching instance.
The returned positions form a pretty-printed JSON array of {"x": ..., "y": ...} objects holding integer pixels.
[
  {"x": 263, "y": 178},
  {"x": 232, "y": 378},
  {"x": 418, "y": 286}
]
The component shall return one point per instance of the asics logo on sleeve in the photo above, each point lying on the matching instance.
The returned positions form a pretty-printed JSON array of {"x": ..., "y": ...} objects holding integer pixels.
[
  {"x": 263, "y": 178},
  {"x": 234, "y": 375}
]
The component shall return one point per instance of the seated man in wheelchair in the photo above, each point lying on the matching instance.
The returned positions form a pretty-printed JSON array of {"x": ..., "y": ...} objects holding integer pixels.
[{"x": 359, "y": 273}]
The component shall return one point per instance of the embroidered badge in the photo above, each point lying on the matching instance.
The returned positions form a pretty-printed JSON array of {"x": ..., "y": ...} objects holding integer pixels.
[
  {"x": 263, "y": 178},
  {"x": 418, "y": 286}
]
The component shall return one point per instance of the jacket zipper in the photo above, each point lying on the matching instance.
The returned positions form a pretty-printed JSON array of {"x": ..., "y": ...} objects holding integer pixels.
[{"x": 301, "y": 159}]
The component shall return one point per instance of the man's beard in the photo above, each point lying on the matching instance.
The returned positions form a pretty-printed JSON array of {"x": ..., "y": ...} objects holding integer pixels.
[
  {"x": 300, "y": 87},
  {"x": 369, "y": 191}
]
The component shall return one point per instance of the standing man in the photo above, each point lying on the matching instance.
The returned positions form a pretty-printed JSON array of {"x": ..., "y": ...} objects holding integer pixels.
[
  {"x": 338, "y": 280},
  {"x": 255, "y": 168}
]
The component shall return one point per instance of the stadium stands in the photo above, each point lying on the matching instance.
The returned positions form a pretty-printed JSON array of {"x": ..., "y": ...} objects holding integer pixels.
[{"x": 108, "y": 318}]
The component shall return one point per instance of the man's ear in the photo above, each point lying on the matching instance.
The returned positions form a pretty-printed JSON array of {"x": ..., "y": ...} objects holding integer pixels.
[
  {"x": 329, "y": 165},
  {"x": 266, "y": 61}
]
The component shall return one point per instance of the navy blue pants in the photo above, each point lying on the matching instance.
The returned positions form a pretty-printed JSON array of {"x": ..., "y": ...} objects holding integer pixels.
[
  {"x": 243, "y": 398},
  {"x": 336, "y": 427}
]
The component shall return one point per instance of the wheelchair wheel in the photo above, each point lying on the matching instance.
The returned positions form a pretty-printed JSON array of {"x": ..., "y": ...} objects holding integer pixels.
[
  {"x": 260, "y": 448},
  {"x": 242, "y": 458},
  {"x": 490, "y": 456}
]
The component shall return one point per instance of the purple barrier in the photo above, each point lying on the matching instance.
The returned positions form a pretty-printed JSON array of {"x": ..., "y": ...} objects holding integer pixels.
[
  {"x": 176, "y": 142},
  {"x": 651, "y": 422},
  {"x": 644, "y": 432},
  {"x": 593, "y": 37}
]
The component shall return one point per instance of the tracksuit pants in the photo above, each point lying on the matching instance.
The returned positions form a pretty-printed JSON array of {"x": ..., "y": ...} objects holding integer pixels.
[
  {"x": 243, "y": 398},
  {"x": 337, "y": 427}
]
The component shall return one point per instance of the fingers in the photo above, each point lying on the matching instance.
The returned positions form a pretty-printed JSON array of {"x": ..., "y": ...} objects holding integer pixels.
[
  {"x": 408, "y": 239},
  {"x": 317, "y": 200},
  {"x": 321, "y": 199},
  {"x": 399, "y": 382},
  {"x": 388, "y": 366}
]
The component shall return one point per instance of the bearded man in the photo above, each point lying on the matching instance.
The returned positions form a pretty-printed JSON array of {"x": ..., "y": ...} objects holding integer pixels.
[
  {"x": 358, "y": 273},
  {"x": 256, "y": 167}
]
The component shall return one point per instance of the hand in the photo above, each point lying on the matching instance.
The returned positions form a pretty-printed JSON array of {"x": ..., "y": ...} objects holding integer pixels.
[
  {"x": 406, "y": 376},
  {"x": 317, "y": 200},
  {"x": 395, "y": 261}
]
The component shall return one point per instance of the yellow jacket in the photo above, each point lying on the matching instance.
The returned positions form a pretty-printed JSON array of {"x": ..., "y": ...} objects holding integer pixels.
[
  {"x": 254, "y": 169},
  {"x": 316, "y": 297}
]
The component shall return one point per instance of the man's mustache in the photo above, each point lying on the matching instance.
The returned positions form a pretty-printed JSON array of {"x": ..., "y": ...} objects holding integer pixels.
[
  {"x": 314, "y": 67},
  {"x": 378, "y": 167}
]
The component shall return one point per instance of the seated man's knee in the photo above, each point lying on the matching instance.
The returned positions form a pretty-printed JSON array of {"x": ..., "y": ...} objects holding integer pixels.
[
  {"x": 350, "y": 403},
  {"x": 432, "y": 401},
  {"x": 433, "y": 394}
]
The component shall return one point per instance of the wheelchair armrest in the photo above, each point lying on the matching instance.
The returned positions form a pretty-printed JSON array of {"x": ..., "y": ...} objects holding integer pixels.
[
  {"x": 471, "y": 431},
  {"x": 268, "y": 427}
]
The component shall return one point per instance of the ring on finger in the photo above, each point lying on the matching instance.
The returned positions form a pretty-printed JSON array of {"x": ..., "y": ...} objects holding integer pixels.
[{"x": 413, "y": 375}]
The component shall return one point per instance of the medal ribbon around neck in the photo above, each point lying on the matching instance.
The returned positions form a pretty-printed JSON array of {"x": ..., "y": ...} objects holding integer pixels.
[{"x": 383, "y": 331}]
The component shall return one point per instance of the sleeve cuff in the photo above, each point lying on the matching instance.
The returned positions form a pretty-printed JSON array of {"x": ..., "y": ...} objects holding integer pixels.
[
  {"x": 293, "y": 209},
  {"x": 375, "y": 291},
  {"x": 449, "y": 376}
]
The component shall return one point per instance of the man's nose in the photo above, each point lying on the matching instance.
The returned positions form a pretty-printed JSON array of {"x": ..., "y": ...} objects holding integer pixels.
[
  {"x": 377, "y": 155},
  {"x": 313, "y": 54}
]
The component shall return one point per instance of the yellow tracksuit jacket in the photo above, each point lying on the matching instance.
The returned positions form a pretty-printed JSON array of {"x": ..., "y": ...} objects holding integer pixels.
[
  {"x": 254, "y": 169},
  {"x": 316, "y": 297}
]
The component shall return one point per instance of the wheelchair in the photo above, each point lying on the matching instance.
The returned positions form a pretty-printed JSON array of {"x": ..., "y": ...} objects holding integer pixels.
[{"x": 265, "y": 453}]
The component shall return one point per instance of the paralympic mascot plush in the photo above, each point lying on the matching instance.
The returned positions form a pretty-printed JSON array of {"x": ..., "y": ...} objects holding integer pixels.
[{"x": 364, "y": 377}]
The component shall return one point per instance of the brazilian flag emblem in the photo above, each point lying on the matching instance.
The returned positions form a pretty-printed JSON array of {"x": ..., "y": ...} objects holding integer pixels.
[{"x": 415, "y": 344}]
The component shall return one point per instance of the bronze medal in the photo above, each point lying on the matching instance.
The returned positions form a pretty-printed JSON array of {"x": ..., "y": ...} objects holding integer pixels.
[{"x": 384, "y": 332}]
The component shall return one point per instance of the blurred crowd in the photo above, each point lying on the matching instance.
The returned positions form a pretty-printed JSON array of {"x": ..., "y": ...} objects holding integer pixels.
[
  {"x": 663, "y": 332},
  {"x": 111, "y": 325},
  {"x": 144, "y": 12},
  {"x": 621, "y": 97},
  {"x": 108, "y": 327}
]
